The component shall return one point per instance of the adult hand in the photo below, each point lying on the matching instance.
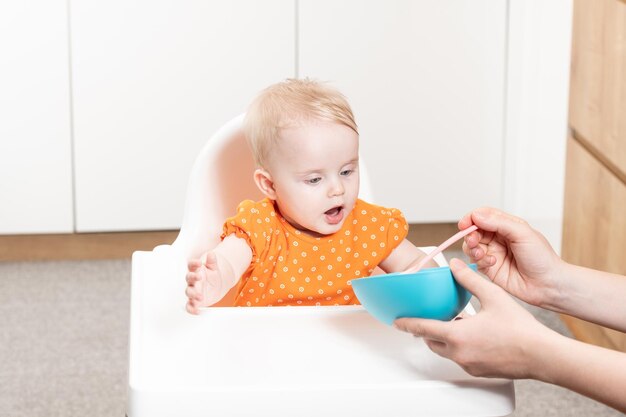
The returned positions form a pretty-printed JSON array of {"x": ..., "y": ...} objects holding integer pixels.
[
  {"x": 502, "y": 340},
  {"x": 513, "y": 255}
]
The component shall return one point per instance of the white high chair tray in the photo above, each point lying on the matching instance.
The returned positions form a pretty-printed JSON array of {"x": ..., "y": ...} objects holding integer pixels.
[{"x": 285, "y": 361}]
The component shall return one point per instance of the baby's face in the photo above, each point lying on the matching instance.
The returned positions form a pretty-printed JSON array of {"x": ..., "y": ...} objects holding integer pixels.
[{"x": 315, "y": 169}]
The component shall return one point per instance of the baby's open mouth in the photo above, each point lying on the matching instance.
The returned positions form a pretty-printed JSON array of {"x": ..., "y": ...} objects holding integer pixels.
[
  {"x": 333, "y": 211},
  {"x": 334, "y": 215}
]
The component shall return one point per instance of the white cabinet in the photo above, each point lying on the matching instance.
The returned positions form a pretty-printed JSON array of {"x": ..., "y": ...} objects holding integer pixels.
[
  {"x": 35, "y": 141},
  {"x": 151, "y": 82},
  {"x": 448, "y": 95},
  {"x": 426, "y": 82}
]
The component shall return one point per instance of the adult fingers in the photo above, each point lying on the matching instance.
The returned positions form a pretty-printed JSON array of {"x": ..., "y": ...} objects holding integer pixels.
[
  {"x": 475, "y": 252},
  {"x": 481, "y": 259},
  {"x": 497, "y": 221},
  {"x": 466, "y": 221},
  {"x": 479, "y": 238},
  {"x": 439, "y": 348},
  {"x": 430, "y": 329}
]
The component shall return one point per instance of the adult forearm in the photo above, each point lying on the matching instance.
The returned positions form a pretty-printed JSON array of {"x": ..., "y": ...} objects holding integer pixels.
[
  {"x": 592, "y": 295},
  {"x": 590, "y": 370}
]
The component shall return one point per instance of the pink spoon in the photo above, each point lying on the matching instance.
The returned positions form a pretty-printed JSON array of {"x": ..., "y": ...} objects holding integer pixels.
[{"x": 440, "y": 248}]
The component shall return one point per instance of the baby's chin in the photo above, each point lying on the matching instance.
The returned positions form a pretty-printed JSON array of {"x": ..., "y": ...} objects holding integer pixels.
[
  {"x": 322, "y": 231},
  {"x": 328, "y": 229}
]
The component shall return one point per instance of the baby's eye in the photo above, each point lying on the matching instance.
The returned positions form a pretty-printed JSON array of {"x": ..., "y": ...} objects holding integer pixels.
[
  {"x": 346, "y": 172},
  {"x": 314, "y": 180}
]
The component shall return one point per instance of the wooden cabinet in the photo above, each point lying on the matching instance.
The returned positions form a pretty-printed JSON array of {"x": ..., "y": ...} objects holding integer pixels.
[
  {"x": 594, "y": 228},
  {"x": 426, "y": 82},
  {"x": 35, "y": 138},
  {"x": 598, "y": 79},
  {"x": 151, "y": 82}
]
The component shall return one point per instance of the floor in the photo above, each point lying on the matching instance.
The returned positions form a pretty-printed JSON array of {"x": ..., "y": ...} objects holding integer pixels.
[{"x": 64, "y": 334}]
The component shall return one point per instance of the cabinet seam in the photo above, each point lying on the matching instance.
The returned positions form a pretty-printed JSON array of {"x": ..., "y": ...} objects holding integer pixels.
[{"x": 597, "y": 154}]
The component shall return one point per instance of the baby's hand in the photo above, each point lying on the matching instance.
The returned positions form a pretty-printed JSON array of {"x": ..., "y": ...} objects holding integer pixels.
[{"x": 204, "y": 283}]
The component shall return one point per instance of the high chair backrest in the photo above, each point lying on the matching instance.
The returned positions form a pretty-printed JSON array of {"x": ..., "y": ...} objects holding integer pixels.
[{"x": 220, "y": 179}]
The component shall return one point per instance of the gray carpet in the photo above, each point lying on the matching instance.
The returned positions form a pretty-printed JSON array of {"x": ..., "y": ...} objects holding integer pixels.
[{"x": 64, "y": 334}]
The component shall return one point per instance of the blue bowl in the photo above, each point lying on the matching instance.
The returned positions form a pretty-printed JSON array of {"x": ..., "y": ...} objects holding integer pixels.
[{"x": 430, "y": 293}]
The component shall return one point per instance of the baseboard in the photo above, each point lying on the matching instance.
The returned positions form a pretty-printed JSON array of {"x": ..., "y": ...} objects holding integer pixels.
[
  {"x": 122, "y": 245},
  {"x": 80, "y": 245}
]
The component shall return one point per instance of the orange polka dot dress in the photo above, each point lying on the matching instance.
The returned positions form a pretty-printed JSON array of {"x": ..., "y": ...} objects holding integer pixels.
[{"x": 290, "y": 267}]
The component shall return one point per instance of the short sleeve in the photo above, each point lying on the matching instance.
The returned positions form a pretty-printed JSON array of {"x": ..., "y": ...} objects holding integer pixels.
[
  {"x": 252, "y": 223},
  {"x": 397, "y": 230},
  {"x": 386, "y": 226}
]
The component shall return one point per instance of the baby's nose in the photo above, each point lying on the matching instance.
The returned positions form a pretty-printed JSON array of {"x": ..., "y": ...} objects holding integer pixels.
[{"x": 336, "y": 188}]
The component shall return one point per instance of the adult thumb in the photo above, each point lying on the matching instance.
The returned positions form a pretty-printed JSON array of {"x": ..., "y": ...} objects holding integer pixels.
[{"x": 469, "y": 279}]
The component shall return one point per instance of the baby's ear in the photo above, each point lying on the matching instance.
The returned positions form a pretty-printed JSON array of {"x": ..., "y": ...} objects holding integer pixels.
[{"x": 263, "y": 180}]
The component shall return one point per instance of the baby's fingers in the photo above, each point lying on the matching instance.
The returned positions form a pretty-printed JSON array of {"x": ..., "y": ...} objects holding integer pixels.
[
  {"x": 191, "y": 308},
  {"x": 209, "y": 260},
  {"x": 192, "y": 278},
  {"x": 193, "y": 294},
  {"x": 193, "y": 264}
]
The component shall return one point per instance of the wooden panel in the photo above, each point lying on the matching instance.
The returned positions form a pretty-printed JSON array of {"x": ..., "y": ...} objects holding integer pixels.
[
  {"x": 591, "y": 333},
  {"x": 594, "y": 233},
  {"x": 594, "y": 229},
  {"x": 598, "y": 80}
]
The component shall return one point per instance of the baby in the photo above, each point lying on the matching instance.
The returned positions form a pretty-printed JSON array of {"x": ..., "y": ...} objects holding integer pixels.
[{"x": 304, "y": 242}]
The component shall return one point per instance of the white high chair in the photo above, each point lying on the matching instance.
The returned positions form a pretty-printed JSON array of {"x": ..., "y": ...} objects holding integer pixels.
[{"x": 279, "y": 361}]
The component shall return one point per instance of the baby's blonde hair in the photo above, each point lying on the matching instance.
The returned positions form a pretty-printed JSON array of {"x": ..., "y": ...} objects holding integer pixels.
[{"x": 288, "y": 103}]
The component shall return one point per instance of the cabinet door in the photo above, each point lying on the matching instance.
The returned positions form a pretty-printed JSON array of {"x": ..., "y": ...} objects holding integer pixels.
[
  {"x": 598, "y": 81},
  {"x": 152, "y": 81},
  {"x": 594, "y": 224},
  {"x": 594, "y": 229},
  {"x": 426, "y": 82},
  {"x": 35, "y": 142}
]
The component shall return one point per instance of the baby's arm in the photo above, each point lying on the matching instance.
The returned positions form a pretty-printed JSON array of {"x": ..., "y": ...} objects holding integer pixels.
[
  {"x": 216, "y": 272},
  {"x": 403, "y": 257}
]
